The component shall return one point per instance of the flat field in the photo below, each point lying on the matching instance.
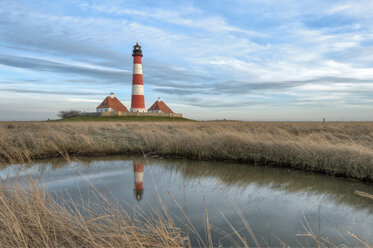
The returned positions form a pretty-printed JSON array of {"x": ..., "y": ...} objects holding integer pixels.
[{"x": 335, "y": 148}]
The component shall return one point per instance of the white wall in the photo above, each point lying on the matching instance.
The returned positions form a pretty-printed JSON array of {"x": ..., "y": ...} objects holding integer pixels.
[
  {"x": 155, "y": 111},
  {"x": 104, "y": 110}
]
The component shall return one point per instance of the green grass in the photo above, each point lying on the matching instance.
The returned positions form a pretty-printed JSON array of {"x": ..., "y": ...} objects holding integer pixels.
[{"x": 124, "y": 118}]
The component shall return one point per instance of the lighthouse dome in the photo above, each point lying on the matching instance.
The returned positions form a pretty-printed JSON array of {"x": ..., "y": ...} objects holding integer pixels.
[{"x": 137, "y": 50}]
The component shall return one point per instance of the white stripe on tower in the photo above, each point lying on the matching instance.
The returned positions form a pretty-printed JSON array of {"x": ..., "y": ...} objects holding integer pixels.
[
  {"x": 137, "y": 89},
  {"x": 137, "y": 69}
]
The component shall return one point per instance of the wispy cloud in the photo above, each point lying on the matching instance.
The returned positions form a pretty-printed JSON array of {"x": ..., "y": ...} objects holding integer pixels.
[
  {"x": 210, "y": 24},
  {"x": 50, "y": 92},
  {"x": 38, "y": 64}
]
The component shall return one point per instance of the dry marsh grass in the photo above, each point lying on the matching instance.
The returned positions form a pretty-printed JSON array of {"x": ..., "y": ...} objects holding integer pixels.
[
  {"x": 32, "y": 217},
  {"x": 335, "y": 148}
]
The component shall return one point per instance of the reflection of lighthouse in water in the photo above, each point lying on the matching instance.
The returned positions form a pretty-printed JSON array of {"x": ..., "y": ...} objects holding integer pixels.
[{"x": 138, "y": 168}]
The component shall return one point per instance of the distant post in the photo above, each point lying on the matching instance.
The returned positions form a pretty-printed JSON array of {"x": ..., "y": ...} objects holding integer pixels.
[{"x": 323, "y": 120}]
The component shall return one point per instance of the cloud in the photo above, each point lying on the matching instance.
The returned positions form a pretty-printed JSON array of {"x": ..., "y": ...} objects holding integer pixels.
[
  {"x": 245, "y": 87},
  {"x": 225, "y": 104},
  {"x": 82, "y": 100},
  {"x": 51, "y": 92},
  {"x": 210, "y": 24},
  {"x": 45, "y": 65},
  {"x": 329, "y": 21},
  {"x": 34, "y": 33}
]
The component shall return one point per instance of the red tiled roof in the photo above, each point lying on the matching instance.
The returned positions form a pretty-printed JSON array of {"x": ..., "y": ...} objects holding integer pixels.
[
  {"x": 160, "y": 105},
  {"x": 113, "y": 103}
]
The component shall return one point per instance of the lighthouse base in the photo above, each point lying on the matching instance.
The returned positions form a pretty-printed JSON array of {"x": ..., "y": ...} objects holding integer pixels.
[{"x": 138, "y": 110}]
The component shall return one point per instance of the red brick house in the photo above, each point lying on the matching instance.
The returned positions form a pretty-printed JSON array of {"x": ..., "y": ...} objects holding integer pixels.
[
  {"x": 160, "y": 107},
  {"x": 111, "y": 104}
]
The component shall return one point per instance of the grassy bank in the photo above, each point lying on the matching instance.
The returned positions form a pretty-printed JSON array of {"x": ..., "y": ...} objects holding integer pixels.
[
  {"x": 124, "y": 118},
  {"x": 343, "y": 149}
]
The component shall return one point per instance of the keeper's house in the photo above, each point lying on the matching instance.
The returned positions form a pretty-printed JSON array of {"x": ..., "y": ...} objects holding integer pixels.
[
  {"x": 111, "y": 104},
  {"x": 160, "y": 107}
]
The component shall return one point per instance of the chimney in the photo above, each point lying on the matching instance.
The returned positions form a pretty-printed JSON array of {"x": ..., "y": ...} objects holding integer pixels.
[
  {"x": 159, "y": 99},
  {"x": 111, "y": 95}
]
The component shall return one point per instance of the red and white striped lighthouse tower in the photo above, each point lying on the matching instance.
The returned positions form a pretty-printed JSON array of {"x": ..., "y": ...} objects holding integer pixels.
[
  {"x": 137, "y": 101},
  {"x": 138, "y": 169}
]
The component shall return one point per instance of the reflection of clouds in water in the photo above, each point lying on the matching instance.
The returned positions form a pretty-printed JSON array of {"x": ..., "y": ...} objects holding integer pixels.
[
  {"x": 277, "y": 196},
  {"x": 272, "y": 200},
  {"x": 61, "y": 175},
  {"x": 235, "y": 178},
  {"x": 241, "y": 176}
]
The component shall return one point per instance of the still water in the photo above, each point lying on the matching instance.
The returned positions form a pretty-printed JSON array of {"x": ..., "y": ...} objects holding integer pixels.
[{"x": 274, "y": 201}]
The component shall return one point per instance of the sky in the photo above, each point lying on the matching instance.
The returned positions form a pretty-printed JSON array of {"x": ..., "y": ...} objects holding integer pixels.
[{"x": 239, "y": 59}]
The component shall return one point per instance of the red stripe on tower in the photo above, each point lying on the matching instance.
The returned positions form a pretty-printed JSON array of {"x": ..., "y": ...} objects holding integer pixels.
[{"x": 138, "y": 100}]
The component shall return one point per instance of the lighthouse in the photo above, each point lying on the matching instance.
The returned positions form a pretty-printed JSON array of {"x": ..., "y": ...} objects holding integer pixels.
[
  {"x": 138, "y": 169},
  {"x": 137, "y": 101}
]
